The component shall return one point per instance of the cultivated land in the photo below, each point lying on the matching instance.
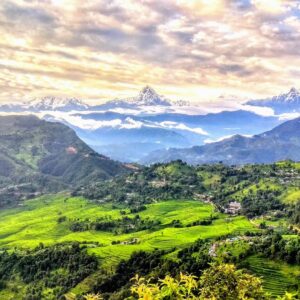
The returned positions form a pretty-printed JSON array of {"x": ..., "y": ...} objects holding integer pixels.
[
  {"x": 163, "y": 207},
  {"x": 36, "y": 222},
  {"x": 277, "y": 276}
]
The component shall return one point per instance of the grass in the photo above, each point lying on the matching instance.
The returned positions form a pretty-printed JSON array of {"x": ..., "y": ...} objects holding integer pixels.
[
  {"x": 291, "y": 196},
  {"x": 277, "y": 277},
  {"x": 36, "y": 222}
]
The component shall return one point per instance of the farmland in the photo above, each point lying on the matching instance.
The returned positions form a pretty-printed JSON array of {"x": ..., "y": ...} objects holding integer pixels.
[{"x": 36, "y": 222}]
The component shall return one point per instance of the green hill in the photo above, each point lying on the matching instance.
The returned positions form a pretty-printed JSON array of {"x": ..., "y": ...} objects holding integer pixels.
[{"x": 39, "y": 157}]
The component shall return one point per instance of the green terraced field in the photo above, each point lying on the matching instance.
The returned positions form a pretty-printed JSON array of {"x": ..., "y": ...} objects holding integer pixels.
[
  {"x": 278, "y": 277},
  {"x": 292, "y": 196},
  {"x": 36, "y": 222}
]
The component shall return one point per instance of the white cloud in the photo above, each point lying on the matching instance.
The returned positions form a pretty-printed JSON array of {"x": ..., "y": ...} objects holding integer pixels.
[
  {"x": 288, "y": 116},
  {"x": 128, "y": 123},
  {"x": 209, "y": 141},
  {"x": 181, "y": 126}
]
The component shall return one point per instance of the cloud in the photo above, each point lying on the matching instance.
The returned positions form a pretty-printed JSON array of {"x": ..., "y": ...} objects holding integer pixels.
[
  {"x": 127, "y": 123},
  {"x": 209, "y": 141},
  {"x": 288, "y": 116},
  {"x": 181, "y": 126},
  {"x": 195, "y": 49}
]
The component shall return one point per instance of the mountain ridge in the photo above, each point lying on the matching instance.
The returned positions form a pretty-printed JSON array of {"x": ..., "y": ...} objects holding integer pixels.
[
  {"x": 40, "y": 156},
  {"x": 283, "y": 103},
  {"x": 280, "y": 143}
]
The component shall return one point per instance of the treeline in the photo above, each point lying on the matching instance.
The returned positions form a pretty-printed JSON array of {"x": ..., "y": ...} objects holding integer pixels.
[
  {"x": 259, "y": 188},
  {"x": 57, "y": 268},
  {"x": 276, "y": 247},
  {"x": 118, "y": 226},
  {"x": 194, "y": 260},
  {"x": 173, "y": 181}
]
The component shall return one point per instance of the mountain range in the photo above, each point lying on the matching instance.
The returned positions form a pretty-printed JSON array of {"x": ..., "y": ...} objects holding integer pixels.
[
  {"x": 130, "y": 129},
  {"x": 147, "y": 98},
  {"x": 129, "y": 138},
  {"x": 280, "y": 143},
  {"x": 48, "y": 103},
  {"x": 40, "y": 156},
  {"x": 283, "y": 103}
]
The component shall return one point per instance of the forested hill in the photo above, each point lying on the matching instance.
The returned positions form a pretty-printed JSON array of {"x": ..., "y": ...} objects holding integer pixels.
[{"x": 38, "y": 156}]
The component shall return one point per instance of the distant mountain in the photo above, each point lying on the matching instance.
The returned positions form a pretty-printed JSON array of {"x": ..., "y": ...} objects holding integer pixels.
[
  {"x": 38, "y": 156},
  {"x": 283, "y": 103},
  {"x": 146, "y": 97},
  {"x": 283, "y": 142},
  {"x": 124, "y": 137},
  {"x": 129, "y": 129},
  {"x": 46, "y": 104}
]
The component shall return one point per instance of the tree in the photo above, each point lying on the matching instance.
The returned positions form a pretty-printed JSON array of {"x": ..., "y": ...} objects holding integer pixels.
[
  {"x": 225, "y": 282},
  {"x": 93, "y": 297},
  {"x": 219, "y": 282}
]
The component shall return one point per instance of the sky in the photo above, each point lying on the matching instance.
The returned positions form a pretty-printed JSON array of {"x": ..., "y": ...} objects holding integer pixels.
[{"x": 196, "y": 50}]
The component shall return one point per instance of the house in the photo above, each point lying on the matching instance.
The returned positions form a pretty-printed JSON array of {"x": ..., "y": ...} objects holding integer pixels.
[{"x": 233, "y": 208}]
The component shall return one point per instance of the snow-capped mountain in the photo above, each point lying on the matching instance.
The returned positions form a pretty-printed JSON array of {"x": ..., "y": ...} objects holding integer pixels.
[
  {"x": 57, "y": 104},
  {"x": 147, "y": 97},
  {"x": 148, "y": 101},
  {"x": 46, "y": 104},
  {"x": 283, "y": 103}
]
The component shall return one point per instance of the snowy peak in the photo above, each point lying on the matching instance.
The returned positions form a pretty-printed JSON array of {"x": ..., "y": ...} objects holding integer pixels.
[
  {"x": 56, "y": 104},
  {"x": 286, "y": 102},
  {"x": 148, "y": 97},
  {"x": 46, "y": 104},
  {"x": 292, "y": 96}
]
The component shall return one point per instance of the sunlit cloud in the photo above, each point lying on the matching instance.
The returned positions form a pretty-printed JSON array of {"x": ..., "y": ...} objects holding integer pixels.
[{"x": 194, "y": 50}]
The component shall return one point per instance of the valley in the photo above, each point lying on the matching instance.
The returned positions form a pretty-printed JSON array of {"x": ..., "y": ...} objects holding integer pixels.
[
  {"x": 150, "y": 150},
  {"x": 164, "y": 211}
]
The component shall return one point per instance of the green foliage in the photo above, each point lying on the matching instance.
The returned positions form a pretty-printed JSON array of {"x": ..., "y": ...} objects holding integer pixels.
[
  {"x": 38, "y": 157},
  {"x": 218, "y": 282},
  {"x": 56, "y": 268}
]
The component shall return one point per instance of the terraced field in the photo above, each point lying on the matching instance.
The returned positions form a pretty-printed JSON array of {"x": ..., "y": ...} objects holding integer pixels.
[
  {"x": 278, "y": 277},
  {"x": 36, "y": 222}
]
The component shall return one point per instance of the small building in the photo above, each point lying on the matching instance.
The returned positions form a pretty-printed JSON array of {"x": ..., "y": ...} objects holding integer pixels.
[{"x": 233, "y": 208}]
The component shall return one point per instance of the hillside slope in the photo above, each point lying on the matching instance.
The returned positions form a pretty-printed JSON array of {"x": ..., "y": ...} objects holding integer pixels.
[
  {"x": 38, "y": 156},
  {"x": 280, "y": 143}
]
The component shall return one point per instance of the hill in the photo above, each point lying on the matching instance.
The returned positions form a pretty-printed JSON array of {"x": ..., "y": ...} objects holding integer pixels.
[
  {"x": 38, "y": 156},
  {"x": 280, "y": 143},
  {"x": 159, "y": 220}
]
